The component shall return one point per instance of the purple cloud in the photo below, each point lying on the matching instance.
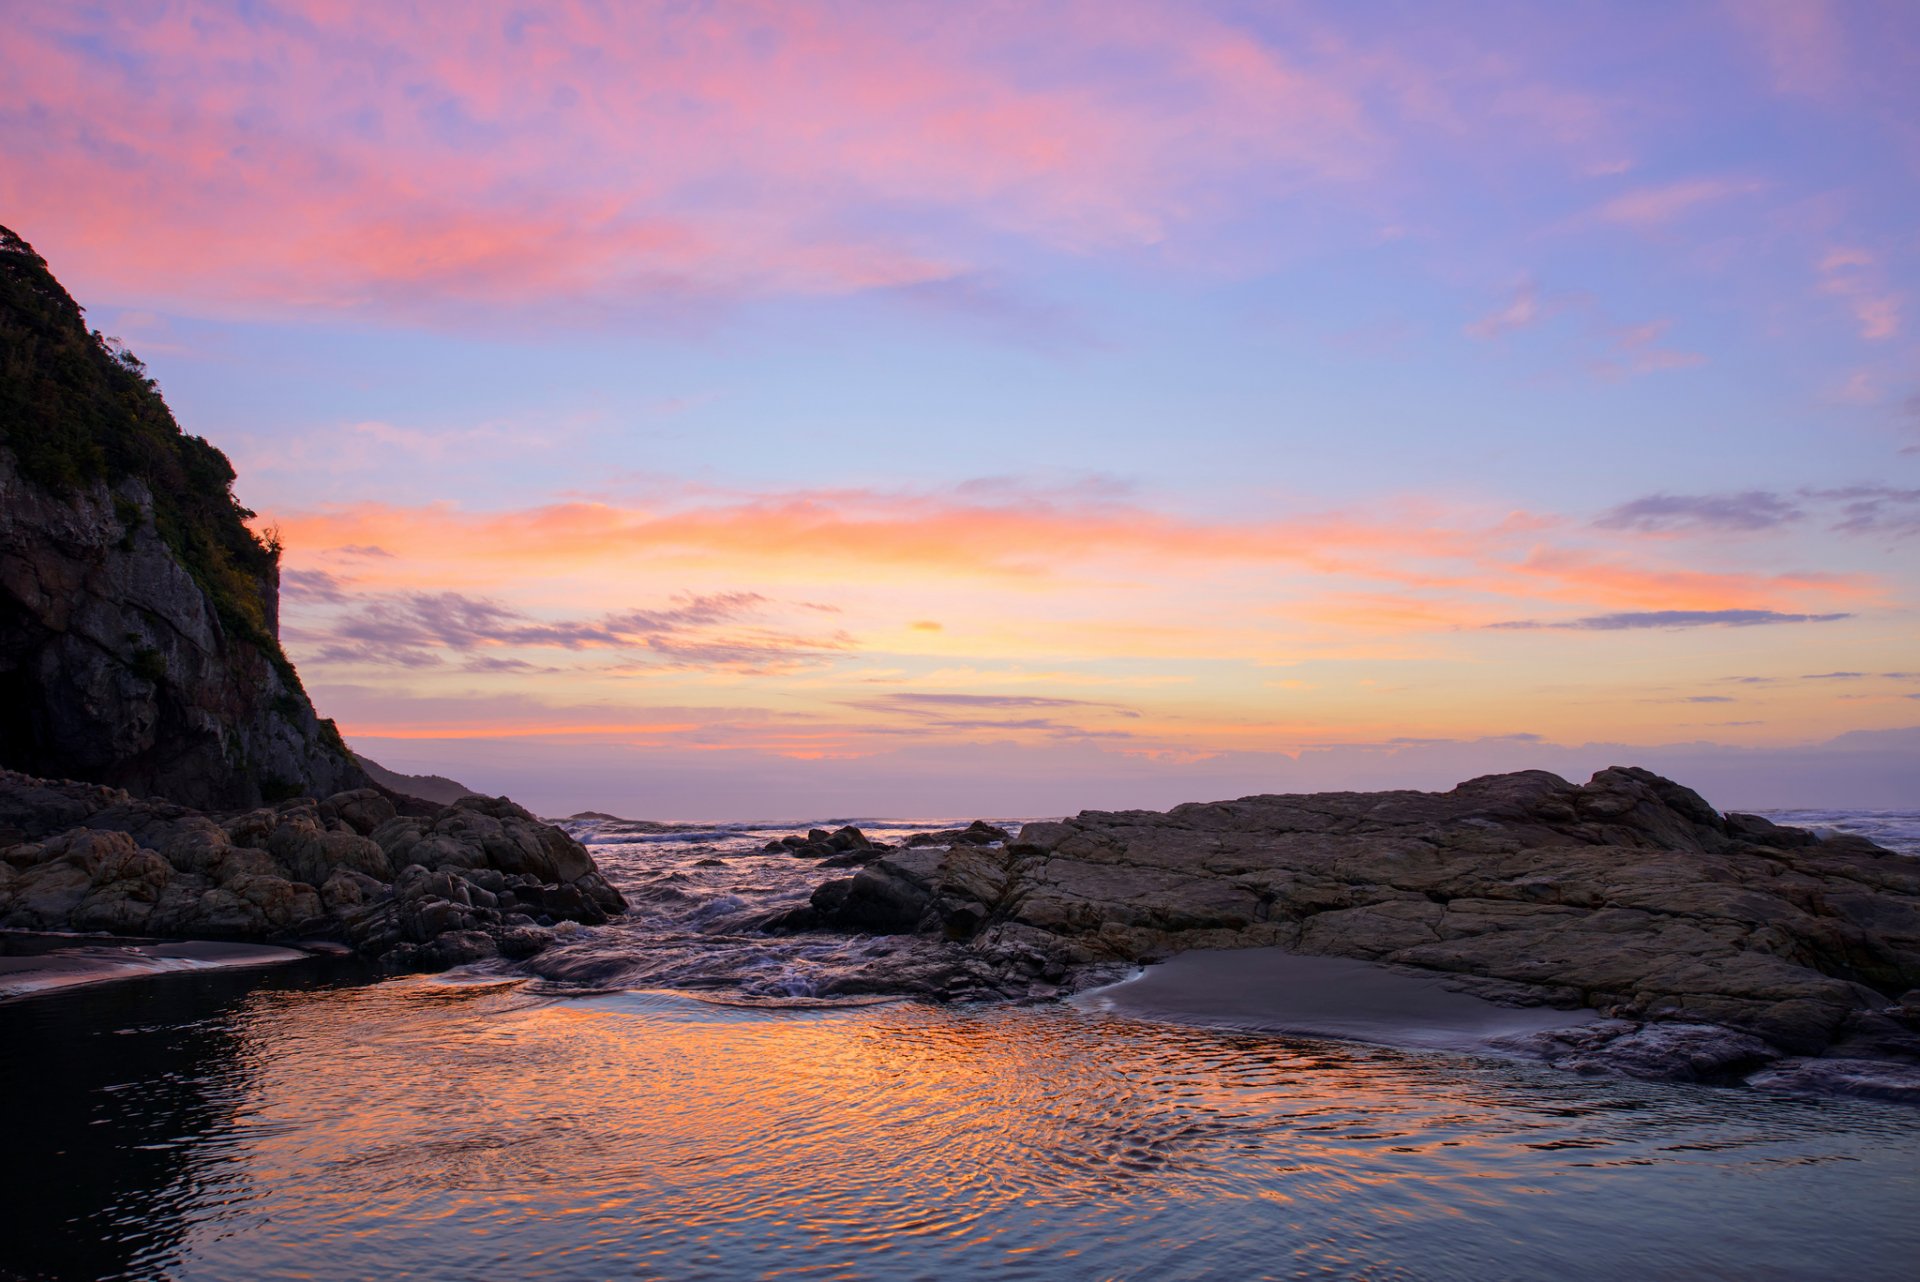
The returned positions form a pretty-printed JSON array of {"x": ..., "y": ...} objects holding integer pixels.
[
  {"x": 416, "y": 629},
  {"x": 1751, "y": 510},
  {"x": 1851, "y": 509},
  {"x": 1668, "y": 619},
  {"x": 314, "y": 585}
]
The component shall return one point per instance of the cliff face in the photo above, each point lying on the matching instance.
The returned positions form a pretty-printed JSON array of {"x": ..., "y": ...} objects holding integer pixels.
[{"x": 139, "y": 615}]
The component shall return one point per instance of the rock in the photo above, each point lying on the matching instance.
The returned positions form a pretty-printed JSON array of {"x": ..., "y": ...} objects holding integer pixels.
[
  {"x": 461, "y": 947},
  {"x": 44, "y": 896},
  {"x": 848, "y": 838},
  {"x": 1867, "y": 1078},
  {"x": 522, "y": 939},
  {"x": 892, "y": 895},
  {"x": 322, "y": 870},
  {"x": 1628, "y": 893},
  {"x": 346, "y": 889},
  {"x": 1658, "y": 1052},
  {"x": 361, "y": 809},
  {"x": 977, "y": 833},
  {"x": 123, "y": 661}
]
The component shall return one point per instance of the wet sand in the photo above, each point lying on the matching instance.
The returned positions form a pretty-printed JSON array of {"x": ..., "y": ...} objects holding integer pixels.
[
  {"x": 66, "y": 963},
  {"x": 1271, "y": 990}
]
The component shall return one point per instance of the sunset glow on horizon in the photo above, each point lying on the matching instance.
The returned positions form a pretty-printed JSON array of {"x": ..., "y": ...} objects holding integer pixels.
[{"x": 748, "y": 410}]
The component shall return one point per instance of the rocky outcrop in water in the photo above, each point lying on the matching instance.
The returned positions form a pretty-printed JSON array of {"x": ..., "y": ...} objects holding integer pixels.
[
  {"x": 1629, "y": 894},
  {"x": 139, "y": 615},
  {"x": 436, "y": 887}
]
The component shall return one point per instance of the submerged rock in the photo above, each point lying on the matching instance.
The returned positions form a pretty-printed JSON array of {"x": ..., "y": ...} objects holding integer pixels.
[
  {"x": 477, "y": 878},
  {"x": 1628, "y": 894}
]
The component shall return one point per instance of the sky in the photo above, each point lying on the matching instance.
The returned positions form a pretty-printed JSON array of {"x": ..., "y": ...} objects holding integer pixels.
[{"x": 703, "y": 410}]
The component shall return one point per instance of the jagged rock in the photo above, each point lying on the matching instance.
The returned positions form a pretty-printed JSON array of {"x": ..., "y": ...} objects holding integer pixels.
[
  {"x": 1628, "y": 893},
  {"x": 100, "y": 860}
]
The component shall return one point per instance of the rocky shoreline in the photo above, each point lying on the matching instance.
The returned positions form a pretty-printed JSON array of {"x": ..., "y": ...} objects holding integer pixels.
[
  {"x": 408, "y": 884},
  {"x": 1681, "y": 943},
  {"x": 1719, "y": 948}
]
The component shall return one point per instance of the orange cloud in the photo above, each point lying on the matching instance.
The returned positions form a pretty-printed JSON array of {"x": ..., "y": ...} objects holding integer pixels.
[{"x": 870, "y": 537}]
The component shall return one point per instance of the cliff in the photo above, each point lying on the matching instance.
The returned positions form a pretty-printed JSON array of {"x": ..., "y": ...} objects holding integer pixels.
[{"x": 139, "y": 615}]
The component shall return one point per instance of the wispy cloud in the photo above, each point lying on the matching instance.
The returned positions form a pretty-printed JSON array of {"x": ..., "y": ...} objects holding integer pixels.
[
  {"x": 1635, "y": 619},
  {"x": 313, "y": 585},
  {"x": 1641, "y": 349},
  {"x": 1853, "y": 509},
  {"x": 653, "y": 152},
  {"x": 1033, "y": 538},
  {"x": 1657, "y": 206},
  {"x": 970, "y": 713},
  {"x": 1749, "y": 510},
  {"x": 1855, "y": 276},
  {"x": 1523, "y": 310},
  {"x": 426, "y": 629},
  {"x": 1620, "y": 350}
]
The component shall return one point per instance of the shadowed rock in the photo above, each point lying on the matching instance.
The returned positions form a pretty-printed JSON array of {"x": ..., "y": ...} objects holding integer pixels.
[
  {"x": 1629, "y": 894},
  {"x": 478, "y": 878}
]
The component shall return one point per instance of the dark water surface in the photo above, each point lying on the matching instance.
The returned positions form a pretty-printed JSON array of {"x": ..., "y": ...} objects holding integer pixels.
[
  {"x": 304, "y": 1121},
  {"x": 274, "y": 1125}
]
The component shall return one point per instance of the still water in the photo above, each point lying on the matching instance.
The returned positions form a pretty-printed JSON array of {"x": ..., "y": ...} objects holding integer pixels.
[{"x": 307, "y": 1121}]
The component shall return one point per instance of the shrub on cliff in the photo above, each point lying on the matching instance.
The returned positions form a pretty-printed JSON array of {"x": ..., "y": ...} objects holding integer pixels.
[{"x": 76, "y": 408}]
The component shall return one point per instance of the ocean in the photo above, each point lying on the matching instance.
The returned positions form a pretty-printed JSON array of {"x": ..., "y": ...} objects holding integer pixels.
[{"x": 677, "y": 1097}]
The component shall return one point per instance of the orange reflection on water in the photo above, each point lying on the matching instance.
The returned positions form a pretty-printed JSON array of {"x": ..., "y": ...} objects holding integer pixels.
[{"x": 476, "y": 1129}]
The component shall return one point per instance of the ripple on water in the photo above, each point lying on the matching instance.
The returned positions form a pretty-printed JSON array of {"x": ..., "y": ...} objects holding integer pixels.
[
  {"x": 731, "y": 1108},
  {"x": 433, "y": 1129}
]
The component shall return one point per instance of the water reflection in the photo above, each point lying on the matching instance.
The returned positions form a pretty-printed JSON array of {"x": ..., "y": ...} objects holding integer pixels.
[
  {"x": 435, "y": 1128},
  {"x": 111, "y": 1093}
]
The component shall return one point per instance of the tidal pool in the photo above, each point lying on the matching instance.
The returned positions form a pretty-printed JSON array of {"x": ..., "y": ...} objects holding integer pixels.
[{"x": 302, "y": 1122}]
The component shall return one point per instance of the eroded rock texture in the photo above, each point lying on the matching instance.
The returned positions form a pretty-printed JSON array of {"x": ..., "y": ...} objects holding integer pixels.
[
  {"x": 1629, "y": 894},
  {"x": 453, "y": 884}
]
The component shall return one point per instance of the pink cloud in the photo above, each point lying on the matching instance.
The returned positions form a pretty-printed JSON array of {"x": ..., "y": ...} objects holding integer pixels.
[
  {"x": 359, "y": 155},
  {"x": 1657, "y": 206},
  {"x": 1854, "y": 276},
  {"x": 1803, "y": 42},
  {"x": 326, "y": 156},
  {"x": 1523, "y": 311},
  {"x": 1638, "y": 349}
]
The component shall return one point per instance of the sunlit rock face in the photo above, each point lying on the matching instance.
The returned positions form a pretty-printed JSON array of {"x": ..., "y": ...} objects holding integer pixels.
[
  {"x": 438, "y": 886},
  {"x": 139, "y": 616},
  {"x": 1629, "y": 894}
]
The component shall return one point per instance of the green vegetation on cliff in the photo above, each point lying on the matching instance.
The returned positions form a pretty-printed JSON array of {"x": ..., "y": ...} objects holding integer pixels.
[{"x": 76, "y": 409}]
